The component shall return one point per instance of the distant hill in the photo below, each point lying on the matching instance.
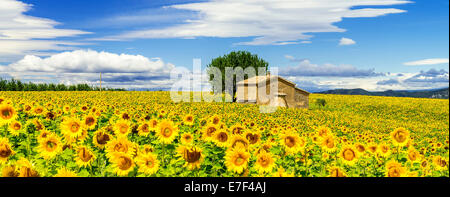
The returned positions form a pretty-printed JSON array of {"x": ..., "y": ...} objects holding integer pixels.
[{"x": 438, "y": 93}]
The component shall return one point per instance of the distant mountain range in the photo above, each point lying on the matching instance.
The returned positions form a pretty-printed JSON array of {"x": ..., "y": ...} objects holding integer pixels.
[{"x": 436, "y": 93}]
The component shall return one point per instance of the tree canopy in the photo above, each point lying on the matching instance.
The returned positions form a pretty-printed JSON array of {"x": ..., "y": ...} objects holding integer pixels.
[
  {"x": 17, "y": 85},
  {"x": 235, "y": 59}
]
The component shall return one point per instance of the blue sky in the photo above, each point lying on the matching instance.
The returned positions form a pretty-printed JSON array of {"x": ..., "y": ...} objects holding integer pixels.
[{"x": 378, "y": 45}]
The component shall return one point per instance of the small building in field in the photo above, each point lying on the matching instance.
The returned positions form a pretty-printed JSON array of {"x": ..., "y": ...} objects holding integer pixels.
[{"x": 288, "y": 95}]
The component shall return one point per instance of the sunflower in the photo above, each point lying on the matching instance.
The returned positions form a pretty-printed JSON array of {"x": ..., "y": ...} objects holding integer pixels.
[
  {"x": 440, "y": 163},
  {"x": 221, "y": 138},
  {"x": 208, "y": 132},
  {"x": 49, "y": 147},
  {"x": 188, "y": 120},
  {"x": 395, "y": 169},
  {"x": 43, "y": 134},
  {"x": 215, "y": 120},
  {"x": 192, "y": 155},
  {"x": 123, "y": 164},
  {"x": 148, "y": 163},
  {"x": 26, "y": 168},
  {"x": 292, "y": 142},
  {"x": 237, "y": 129},
  {"x": 101, "y": 138},
  {"x": 360, "y": 148},
  {"x": 329, "y": 144},
  {"x": 187, "y": 138},
  {"x": 166, "y": 131},
  {"x": 384, "y": 150},
  {"x": 7, "y": 114},
  {"x": 153, "y": 123},
  {"x": 413, "y": 155},
  {"x": 66, "y": 109},
  {"x": 349, "y": 155},
  {"x": 5, "y": 150},
  {"x": 253, "y": 138},
  {"x": 323, "y": 131},
  {"x": 64, "y": 172},
  {"x": 84, "y": 156},
  {"x": 10, "y": 171},
  {"x": 336, "y": 172},
  {"x": 372, "y": 148},
  {"x": 236, "y": 159},
  {"x": 281, "y": 172},
  {"x": 121, "y": 145},
  {"x": 38, "y": 110},
  {"x": 238, "y": 141},
  {"x": 15, "y": 128},
  {"x": 122, "y": 128},
  {"x": 72, "y": 128},
  {"x": 125, "y": 116},
  {"x": 400, "y": 136},
  {"x": 144, "y": 129},
  {"x": 90, "y": 121},
  {"x": 264, "y": 162}
]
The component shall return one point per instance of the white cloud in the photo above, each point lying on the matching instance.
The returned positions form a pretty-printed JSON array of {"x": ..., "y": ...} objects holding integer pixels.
[
  {"x": 306, "y": 68},
  {"x": 427, "y": 62},
  {"x": 84, "y": 66},
  {"x": 346, "y": 41},
  {"x": 89, "y": 61},
  {"x": 19, "y": 31},
  {"x": 270, "y": 22}
]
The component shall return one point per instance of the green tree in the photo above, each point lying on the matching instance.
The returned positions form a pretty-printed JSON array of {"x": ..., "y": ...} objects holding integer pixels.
[{"x": 235, "y": 59}]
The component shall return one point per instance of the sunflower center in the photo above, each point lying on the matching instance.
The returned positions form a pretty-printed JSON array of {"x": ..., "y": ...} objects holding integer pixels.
[
  {"x": 51, "y": 145},
  {"x": 192, "y": 155},
  {"x": 125, "y": 163},
  {"x": 123, "y": 128},
  {"x": 252, "y": 139},
  {"x": 167, "y": 132},
  {"x": 102, "y": 138},
  {"x": 210, "y": 131},
  {"x": 400, "y": 136},
  {"x": 84, "y": 155},
  {"x": 120, "y": 148},
  {"x": 5, "y": 151},
  {"x": 239, "y": 161},
  {"x": 90, "y": 121},
  {"x": 17, "y": 126},
  {"x": 263, "y": 161},
  {"x": 144, "y": 128},
  {"x": 349, "y": 155},
  {"x": 149, "y": 163},
  {"x": 216, "y": 120},
  {"x": 7, "y": 113},
  {"x": 222, "y": 137},
  {"x": 290, "y": 141},
  {"x": 394, "y": 172},
  {"x": 74, "y": 127}
]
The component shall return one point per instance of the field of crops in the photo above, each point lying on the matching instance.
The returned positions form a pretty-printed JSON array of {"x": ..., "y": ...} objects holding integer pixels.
[{"x": 103, "y": 134}]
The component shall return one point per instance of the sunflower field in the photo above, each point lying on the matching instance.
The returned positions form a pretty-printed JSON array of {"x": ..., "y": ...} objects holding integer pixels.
[{"x": 145, "y": 134}]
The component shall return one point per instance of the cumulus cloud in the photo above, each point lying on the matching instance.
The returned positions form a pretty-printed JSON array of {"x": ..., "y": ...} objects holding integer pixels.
[
  {"x": 270, "y": 22},
  {"x": 306, "y": 68},
  {"x": 18, "y": 32},
  {"x": 388, "y": 82},
  {"x": 430, "y": 76},
  {"x": 427, "y": 62},
  {"x": 89, "y": 61},
  {"x": 346, "y": 41}
]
